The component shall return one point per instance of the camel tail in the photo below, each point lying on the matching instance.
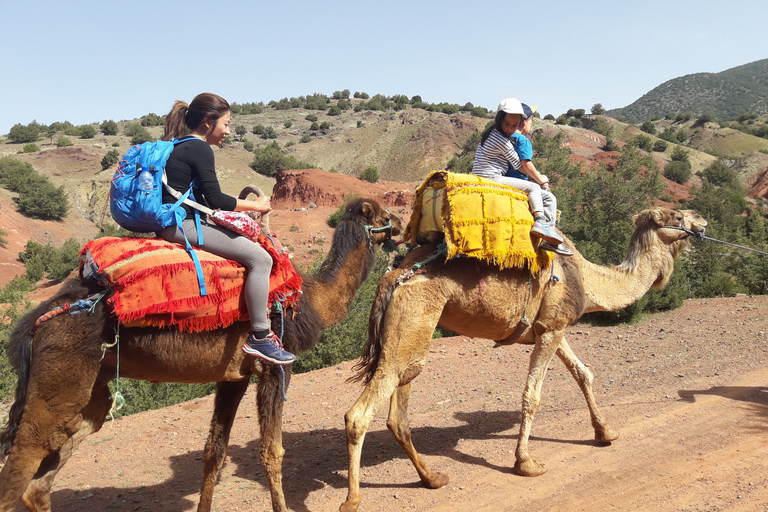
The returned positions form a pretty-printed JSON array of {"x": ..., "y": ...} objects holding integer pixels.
[
  {"x": 20, "y": 356},
  {"x": 19, "y": 351},
  {"x": 371, "y": 352}
]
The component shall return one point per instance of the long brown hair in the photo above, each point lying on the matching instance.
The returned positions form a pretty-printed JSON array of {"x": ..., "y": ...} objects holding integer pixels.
[{"x": 184, "y": 117}]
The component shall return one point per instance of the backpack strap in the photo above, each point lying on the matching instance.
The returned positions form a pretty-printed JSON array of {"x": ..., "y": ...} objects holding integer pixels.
[{"x": 176, "y": 209}]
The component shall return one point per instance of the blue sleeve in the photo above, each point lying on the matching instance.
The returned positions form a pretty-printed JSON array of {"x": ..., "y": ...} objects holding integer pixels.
[{"x": 522, "y": 146}]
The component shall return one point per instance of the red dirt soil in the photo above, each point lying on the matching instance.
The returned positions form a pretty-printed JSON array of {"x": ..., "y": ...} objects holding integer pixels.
[{"x": 686, "y": 389}]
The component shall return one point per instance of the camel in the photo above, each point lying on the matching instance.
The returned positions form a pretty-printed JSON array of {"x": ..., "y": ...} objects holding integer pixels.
[
  {"x": 62, "y": 394},
  {"x": 471, "y": 298}
]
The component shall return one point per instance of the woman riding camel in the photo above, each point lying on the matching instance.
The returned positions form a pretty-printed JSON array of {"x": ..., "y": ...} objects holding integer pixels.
[{"x": 191, "y": 164}]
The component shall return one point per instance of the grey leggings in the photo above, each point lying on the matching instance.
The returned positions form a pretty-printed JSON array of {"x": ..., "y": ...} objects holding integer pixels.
[
  {"x": 230, "y": 245},
  {"x": 540, "y": 200}
]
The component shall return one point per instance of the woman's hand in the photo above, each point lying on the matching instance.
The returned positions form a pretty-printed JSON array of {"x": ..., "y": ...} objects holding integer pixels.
[{"x": 260, "y": 204}]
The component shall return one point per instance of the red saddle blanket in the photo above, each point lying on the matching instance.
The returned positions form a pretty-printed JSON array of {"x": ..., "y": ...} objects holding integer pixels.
[{"x": 155, "y": 283}]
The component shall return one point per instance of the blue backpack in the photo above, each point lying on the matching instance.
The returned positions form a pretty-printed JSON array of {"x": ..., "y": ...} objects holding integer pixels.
[{"x": 136, "y": 195}]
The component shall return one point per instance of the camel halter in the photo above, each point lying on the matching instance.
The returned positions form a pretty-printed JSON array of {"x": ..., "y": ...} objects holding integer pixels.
[{"x": 699, "y": 235}]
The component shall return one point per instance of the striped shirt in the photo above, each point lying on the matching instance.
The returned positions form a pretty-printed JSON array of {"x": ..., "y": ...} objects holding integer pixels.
[{"x": 495, "y": 157}]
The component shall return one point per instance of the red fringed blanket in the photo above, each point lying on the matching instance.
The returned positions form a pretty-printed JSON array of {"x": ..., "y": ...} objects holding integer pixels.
[{"x": 155, "y": 283}]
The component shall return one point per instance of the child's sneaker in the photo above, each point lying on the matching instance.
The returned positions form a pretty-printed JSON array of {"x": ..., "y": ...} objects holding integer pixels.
[
  {"x": 560, "y": 249},
  {"x": 546, "y": 231},
  {"x": 269, "y": 348}
]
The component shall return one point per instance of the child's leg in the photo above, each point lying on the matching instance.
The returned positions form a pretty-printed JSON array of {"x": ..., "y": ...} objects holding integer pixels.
[
  {"x": 549, "y": 202},
  {"x": 529, "y": 187}
]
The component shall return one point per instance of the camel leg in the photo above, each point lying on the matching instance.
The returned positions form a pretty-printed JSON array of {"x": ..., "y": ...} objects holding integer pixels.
[
  {"x": 270, "y": 404},
  {"x": 542, "y": 354},
  {"x": 397, "y": 423},
  {"x": 60, "y": 411},
  {"x": 357, "y": 420},
  {"x": 226, "y": 402},
  {"x": 603, "y": 432},
  {"x": 37, "y": 496}
]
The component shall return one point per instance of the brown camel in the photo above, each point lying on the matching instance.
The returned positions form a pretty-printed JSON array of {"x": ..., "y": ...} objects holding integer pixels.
[
  {"x": 474, "y": 299},
  {"x": 62, "y": 394}
]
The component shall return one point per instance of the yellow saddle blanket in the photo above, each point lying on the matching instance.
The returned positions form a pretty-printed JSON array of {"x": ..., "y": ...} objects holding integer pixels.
[{"x": 480, "y": 218}]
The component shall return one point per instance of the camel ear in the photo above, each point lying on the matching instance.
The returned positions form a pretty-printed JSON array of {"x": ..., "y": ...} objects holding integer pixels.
[
  {"x": 658, "y": 217},
  {"x": 367, "y": 209}
]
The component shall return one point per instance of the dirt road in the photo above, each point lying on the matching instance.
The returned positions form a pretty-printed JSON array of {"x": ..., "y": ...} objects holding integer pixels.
[{"x": 687, "y": 389}]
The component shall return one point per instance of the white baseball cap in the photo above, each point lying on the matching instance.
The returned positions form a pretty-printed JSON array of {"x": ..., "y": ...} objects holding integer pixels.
[{"x": 511, "y": 106}]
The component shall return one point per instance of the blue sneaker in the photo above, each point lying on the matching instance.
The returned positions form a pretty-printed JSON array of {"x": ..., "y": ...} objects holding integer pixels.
[
  {"x": 545, "y": 231},
  {"x": 269, "y": 348}
]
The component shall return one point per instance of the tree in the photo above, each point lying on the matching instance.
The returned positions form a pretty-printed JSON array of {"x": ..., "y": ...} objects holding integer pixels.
[
  {"x": 63, "y": 141},
  {"x": 87, "y": 131},
  {"x": 643, "y": 142},
  {"x": 110, "y": 159},
  {"x": 108, "y": 127},
  {"x": 370, "y": 174},
  {"x": 598, "y": 206},
  {"x": 270, "y": 159},
  {"x": 240, "y": 130},
  {"x": 597, "y": 109},
  {"x": 660, "y": 146},
  {"x": 679, "y": 172},
  {"x": 21, "y": 133},
  {"x": 648, "y": 127},
  {"x": 334, "y": 111},
  {"x": 44, "y": 201},
  {"x": 719, "y": 174}
]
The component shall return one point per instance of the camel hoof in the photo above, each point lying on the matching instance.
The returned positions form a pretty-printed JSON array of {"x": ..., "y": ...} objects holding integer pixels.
[
  {"x": 349, "y": 506},
  {"x": 606, "y": 435},
  {"x": 529, "y": 467},
  {"x": 435, "y": 481}
]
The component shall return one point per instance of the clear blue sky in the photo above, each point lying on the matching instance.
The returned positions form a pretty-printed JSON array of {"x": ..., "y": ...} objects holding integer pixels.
[{"x": 87, "y": 61}]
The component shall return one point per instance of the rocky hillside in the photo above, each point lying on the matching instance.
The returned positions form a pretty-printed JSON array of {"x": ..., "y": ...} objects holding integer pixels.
[{"x": 725, "y": 95}]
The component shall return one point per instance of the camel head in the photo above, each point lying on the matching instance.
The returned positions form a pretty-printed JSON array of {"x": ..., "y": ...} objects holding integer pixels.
[
  {"x": 665, "y": 226},
  {"x": 381, "y": 224}
]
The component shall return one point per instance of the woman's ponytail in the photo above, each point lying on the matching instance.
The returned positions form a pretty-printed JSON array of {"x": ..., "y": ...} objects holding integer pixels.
[
  {"x": 175, "y": 125},
  {"x": 184, "y": 117}
]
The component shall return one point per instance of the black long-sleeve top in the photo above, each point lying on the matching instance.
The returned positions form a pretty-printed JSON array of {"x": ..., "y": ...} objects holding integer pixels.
[{"x": 193, "y": 159}]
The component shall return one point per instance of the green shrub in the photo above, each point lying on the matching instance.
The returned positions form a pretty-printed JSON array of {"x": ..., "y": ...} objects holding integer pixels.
[
  {"x": 719, "y": 174},
  {"x": 288, "y": 124},
  {"x": 370, "y": 174},
  {"x": 21, "y": 133},
  {"x": 248, "y": 145},
  {"x": 660, "y": 146},
  {"x": 110, "y": 159},
  {"x": 597, "y": 109},
  {"x": 141, "y": 136},
  {"x": 45, "y": 201},
  {"x": 679, "y": 172},
  {"x": 648, "y": 127},
  {"x": 87, "y": 131},
  {"x": 258, "y": 129},
  {"x": 643, "y": 142},
  {"x": 305, "y": 138},
  {"x": 45, "y": 259},
  {"x": 108, "y": 127},
  {"x": 334, "y": 111},
  {"x": 311, "y": 118},
  {"x": 30, "y": 148},
  {"x": 63, "y": 141},
  {"x": 270, "y": 159},
  {"x": 15, "y": 174},
  {"x": 152, "y": 119}
]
